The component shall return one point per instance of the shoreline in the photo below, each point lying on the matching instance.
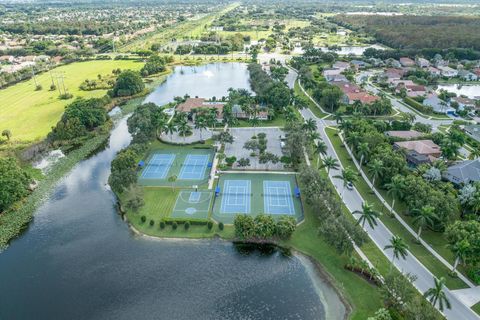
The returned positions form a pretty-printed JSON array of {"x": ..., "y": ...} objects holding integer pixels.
[{"x": 316, "y": 271}]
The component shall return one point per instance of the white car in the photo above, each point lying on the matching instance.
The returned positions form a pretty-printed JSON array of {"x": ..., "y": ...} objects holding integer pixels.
[{"x": 350, "y": 185}]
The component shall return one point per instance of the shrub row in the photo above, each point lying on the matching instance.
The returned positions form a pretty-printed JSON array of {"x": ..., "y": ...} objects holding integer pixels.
[{"x": 417, "y": 105}]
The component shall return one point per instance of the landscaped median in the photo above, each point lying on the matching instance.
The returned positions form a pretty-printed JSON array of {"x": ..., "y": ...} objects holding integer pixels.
[{"x": 420, "y": 252}]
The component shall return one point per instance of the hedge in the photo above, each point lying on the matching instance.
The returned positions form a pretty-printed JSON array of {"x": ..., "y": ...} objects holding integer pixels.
[{"x": 417, "y": 105}]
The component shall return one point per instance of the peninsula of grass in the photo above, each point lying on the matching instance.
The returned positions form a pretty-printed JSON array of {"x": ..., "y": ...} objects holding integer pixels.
[
  {"x": 476, "y": 308},
  {"x": 419, "y": 251},
  {"x": 30, "y": 114}
]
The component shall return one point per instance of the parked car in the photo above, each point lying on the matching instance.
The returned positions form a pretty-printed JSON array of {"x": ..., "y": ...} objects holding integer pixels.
[{"x": 350, "y": 185}]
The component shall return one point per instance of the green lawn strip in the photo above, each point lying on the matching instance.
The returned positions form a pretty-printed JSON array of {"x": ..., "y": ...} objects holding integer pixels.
[
  {"x": 316, "y": 111},
  {"x": 159, "y": 203},
  {"x": 476, "y": 308},
  {"x": 420, "y": 252},
  {"x": 363, "y": 296}
]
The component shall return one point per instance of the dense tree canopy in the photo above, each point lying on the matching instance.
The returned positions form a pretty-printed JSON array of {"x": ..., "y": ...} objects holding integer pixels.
[
  {"x": 14, "y": 182},
  {"x": 128, "y": 83}
]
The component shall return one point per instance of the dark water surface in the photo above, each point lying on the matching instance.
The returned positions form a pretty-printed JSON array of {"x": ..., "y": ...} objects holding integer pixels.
[{"x": 79, "y": 260}]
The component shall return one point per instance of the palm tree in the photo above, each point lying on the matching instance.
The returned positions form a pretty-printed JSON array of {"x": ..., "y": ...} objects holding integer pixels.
[
  {"x": 348, "y": 176},
  {"x": 474, "y": 154},
  {"x": 460, "y": 250},
  {"x": 436, "y": 294},
  {"x": 368, "y": 214},
  {"x": 395, "y": 189},
  {"x": 172, "y": 179},
  {"x": 310, "y": 125},
  {"x": 425, "y": 218},
  {"x": 170, "y": 129},
  {"x": 357, "y": 104},
  {"x": 352, "y": 139},
  {"x": 183, "y": 129},
  {"x": 375, "y": 168},
  {"x": 314, "y": 135},
  {"x": 399, "y": 247},
  {"x": 330, "y": 163},
  {"x": 363, "y": 151},
  {"x": 320, "y": 150},
  {"x": 338, "y": 117},
  {"x": 200, "y": 124},
  {"x": 254, "y": 122},
  {"x": 345, "y": 125}
]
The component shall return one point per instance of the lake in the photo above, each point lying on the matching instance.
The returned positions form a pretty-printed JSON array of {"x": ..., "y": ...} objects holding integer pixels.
[
  {"x": 471, "y": 91},
  {"x": 79, "y": 260}
]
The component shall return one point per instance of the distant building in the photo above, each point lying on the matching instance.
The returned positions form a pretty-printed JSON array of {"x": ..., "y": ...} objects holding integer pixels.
[
  {"x": 447, "y": 71},
  {"x": 198, "y": 104},
  {"x": 464, "y": 103},
  {"x": 341, "y": 65},
  {"x": 434, "y": 71},
  {"x": 467, "y": 75},
  {"x": 463, "y": 172},
  {"x": 331, "y": 74},
  {"x": 422, "y": 63},
  {"x": 407, "y": 62}
]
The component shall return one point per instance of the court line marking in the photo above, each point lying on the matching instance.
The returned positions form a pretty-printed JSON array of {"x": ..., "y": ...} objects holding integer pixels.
[
  {"x": 271, "y": 190},
  {"x": 159, "y": 163}
]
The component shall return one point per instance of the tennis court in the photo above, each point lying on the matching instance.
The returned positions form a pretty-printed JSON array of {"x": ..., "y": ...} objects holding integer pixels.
[
  {"x": 190, "y": 166},
  {"x": 194, "y": 167},
  {"x": 277, "y": 197},
  {"x": 192, "y": 204},
  {"x": 256, "y": 193},
  {"x": 158, "y": 166},
  {"x": 236, "y": 196}
]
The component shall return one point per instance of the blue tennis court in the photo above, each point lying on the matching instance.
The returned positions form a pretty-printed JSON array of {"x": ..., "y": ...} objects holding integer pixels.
[
  {"x": 194, "y": 167},
  {"x": 158, "y": 166},
  {"x": 278, "y": 197},
  {"x": 236, "y": 196}
]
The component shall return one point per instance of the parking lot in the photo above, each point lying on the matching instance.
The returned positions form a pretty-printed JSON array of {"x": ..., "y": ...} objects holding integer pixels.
[{"x": 242, "y": 135}]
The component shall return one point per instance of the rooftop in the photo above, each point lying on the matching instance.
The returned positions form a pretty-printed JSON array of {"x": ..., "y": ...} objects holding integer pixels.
[{"x": 427, "y": 147}]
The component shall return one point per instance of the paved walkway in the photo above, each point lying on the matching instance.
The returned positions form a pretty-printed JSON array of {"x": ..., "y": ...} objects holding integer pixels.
[{"x": 196, "y": 136}]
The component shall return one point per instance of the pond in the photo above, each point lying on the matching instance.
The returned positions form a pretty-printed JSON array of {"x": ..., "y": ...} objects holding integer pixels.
[
  {"x": 471, "y": 91},
  {"x": 79, "y": 260},
  {"x": 205, "y": 81}
]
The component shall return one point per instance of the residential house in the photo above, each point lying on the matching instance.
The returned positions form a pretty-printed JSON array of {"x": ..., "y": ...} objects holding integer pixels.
[
  {"x": 413, "y": 90},
  {"x": 331, "y": 74},
  {"x": 422, "y": 63},
  {"x": 407, "y": 62},
  {"x": 407, "y": 135},
  {"x": 363, "y": 97},
  {"x": 464, "y": 172},
  {"x": 392, "y": 74},
  {"x": 464, "y": 103},
  {"x": 434, "y": 71},
  {"x": 358, "y": 64},
  {"x": 447, "y": 71},
  {"x": 477, "y": 72},
  {"x": 341, "y": 65},
  {"x": 437, "y": 104},
  {"x": 419, "y": 151},
  {"x": 467, "y": 75},
  {"x": 393, "y": 63},
  {"x": 8, "y": 59},
  {"x": 193, "y": 105},
  {"x": 473, "y": 131}
]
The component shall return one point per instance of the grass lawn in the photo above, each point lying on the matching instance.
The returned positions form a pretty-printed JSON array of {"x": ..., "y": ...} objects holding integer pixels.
[
  {"x": 422, "y": 254},
  {"x": 30, "y": 114},
  {"x": 476, "y": 308},
  {"x": 363, "y": 296},
  {"x": 316, "y": 111},
  {"x": 159, "y": 203}
]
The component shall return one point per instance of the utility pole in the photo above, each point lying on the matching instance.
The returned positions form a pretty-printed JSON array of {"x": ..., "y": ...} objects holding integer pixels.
[{"x": 34, "y": 78}]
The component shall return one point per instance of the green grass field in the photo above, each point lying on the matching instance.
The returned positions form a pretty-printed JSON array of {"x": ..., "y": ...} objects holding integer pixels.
[
  {"x": 420, "y": 252},
  {"x": 30, "y": 114}
]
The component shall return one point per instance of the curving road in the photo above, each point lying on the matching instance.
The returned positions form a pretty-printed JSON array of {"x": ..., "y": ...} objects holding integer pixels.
[{"x": 381, "y": 235}]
